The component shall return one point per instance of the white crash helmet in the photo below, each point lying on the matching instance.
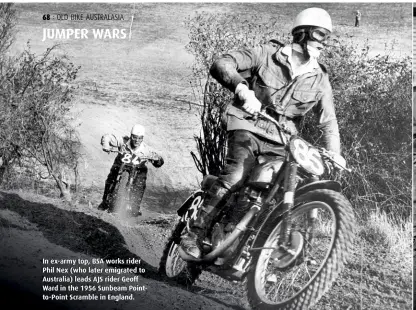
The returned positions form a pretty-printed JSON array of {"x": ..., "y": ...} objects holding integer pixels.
[
  {"x": 314, "y": 17},
  {"x": 138, "y": 130}
]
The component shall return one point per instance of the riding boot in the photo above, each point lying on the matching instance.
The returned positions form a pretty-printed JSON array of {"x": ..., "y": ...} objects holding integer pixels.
[{"x": 194, "y": 235}]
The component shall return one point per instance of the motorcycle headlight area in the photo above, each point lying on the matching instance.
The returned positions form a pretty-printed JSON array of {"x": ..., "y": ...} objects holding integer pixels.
[{"x": 307, "y": 156}]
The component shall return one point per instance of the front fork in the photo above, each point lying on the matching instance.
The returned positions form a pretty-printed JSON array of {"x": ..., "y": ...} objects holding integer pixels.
[
  {"x": 129, "y": 187},
  {"x": 290, "y": 184},
  {"x": 131, "y": 177},
  {"x": 289, "y": 188}
]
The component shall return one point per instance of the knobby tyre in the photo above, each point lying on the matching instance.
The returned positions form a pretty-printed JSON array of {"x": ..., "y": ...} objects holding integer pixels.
[
  {"x": 327, "y": 245},
  {"x": 171, "y": 265}
]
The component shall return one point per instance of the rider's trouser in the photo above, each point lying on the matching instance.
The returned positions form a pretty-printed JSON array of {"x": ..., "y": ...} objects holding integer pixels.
[
  {"x": 243, "y": 149},
  {"x": 111, "y": 178}
]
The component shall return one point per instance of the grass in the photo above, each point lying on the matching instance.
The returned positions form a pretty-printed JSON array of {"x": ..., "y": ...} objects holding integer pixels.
[
  {"x": 392, "y": 234},
  {"x": 154, "y": 64}
]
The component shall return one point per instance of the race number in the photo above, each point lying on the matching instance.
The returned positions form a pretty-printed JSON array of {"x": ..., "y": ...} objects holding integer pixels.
[
  {"x": 131, "y": 158},
  {"x": 193, "y": 209},
  {"x": 308, "y": 157}
]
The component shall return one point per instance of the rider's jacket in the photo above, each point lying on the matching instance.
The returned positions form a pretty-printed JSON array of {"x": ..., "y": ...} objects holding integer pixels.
[
  {"x": 109, "y": 141},
  {"x": 267, "y": 71}
]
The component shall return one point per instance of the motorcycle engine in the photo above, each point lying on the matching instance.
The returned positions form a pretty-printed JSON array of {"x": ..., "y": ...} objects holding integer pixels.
[
  {"x": 235, "y": 211},
  {"x": 219, "y": 234}
]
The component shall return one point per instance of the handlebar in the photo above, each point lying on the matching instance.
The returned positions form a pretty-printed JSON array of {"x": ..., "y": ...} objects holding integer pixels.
[
  {"x": 268, "y": 117},
  {"x": 120, "y": 152},
  {"x": 334, "y": 158},
  {"x": 282, "y": 128}
]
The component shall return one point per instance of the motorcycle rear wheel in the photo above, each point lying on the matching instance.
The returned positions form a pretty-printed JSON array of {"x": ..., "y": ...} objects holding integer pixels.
[
  {"x": 301, "y": 284},
  {"x": 172, "y": 267}
]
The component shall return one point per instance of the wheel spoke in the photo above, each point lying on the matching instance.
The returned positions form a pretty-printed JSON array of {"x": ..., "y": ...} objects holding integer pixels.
[
  {"x": 321, "y": 238},
  {"x": 290, "y": 280}
]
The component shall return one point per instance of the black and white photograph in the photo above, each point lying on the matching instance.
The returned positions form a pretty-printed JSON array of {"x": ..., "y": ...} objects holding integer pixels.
[{"x": 206, "y": 155}]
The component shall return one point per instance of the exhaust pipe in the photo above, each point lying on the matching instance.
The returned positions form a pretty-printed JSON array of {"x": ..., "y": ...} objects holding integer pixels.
[{"x": 238, "y": 230}]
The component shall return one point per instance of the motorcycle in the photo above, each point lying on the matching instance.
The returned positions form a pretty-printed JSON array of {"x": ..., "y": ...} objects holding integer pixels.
[
  {"x": 285, "y": 233},
  {"x": 121, "y": 193}
]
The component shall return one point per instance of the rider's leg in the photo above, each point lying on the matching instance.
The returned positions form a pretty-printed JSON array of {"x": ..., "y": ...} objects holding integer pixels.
[
  {"x": 192, "y": 238},
  {"x": 241, "y": 156},
  {"x": 137, "y": 193},
  {"x": 112, "y": 176}
]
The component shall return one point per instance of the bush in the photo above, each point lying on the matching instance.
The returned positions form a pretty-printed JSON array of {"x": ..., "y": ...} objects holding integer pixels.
[
  {"x": 210, "y": 36},
  {"x": 36, "y": 135},
  {"x": 373, "y": 103}
]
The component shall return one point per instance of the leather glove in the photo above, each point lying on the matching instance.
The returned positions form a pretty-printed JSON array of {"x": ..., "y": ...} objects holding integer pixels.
[
  {"x": 250, "y": 103},
  {"x": 105, "y": 144},
  {"x": 158, "y": 162},
  {"x": 340, "y": 162},
  {"x": 335, "y": 168}
]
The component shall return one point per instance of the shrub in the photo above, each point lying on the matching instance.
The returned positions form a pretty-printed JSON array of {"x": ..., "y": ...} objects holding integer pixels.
[
  {"x": 35, "y": 129},
  {"x": 210, "y": 36}
]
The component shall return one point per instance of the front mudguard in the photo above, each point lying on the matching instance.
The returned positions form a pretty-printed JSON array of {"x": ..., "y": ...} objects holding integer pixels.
[
  {"x": 324, "y": 184},
  {"x": 276, "y": 214}
]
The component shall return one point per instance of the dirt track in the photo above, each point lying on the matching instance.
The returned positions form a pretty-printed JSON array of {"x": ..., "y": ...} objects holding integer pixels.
[
  {"x": 166, "y": 186},
  {"x": 32, "y": 228}
]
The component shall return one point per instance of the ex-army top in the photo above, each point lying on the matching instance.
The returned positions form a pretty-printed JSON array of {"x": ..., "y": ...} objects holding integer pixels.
[{"x": 267, "y": 71}]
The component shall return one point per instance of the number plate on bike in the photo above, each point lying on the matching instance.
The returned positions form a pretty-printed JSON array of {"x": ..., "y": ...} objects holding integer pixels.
[
  {"x": 191, "y": 206},
  {"x": 307, "y": 156}
]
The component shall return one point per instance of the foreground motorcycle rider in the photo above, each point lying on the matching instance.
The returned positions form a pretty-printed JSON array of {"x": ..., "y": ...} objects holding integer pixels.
[
  {"x": 131, "y": 145},
  {"x": 285, "y": 82}
]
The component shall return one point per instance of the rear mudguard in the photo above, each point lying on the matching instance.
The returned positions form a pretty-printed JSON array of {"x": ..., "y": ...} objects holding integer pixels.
[
  {"x": 275, "y": 215},
  {"x": 190, "y": 207}
]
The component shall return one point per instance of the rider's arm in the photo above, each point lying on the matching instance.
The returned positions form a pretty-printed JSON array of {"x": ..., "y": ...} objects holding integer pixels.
[
  {"x": 233, "y": 68},
  {"x": 325, "y": 110},
  {"x": 157, "y": 160},
  {"x": 109, "y": 141}
]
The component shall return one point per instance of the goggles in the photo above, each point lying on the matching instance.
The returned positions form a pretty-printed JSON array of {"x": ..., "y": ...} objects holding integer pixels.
[
  {"x": 315, "y": 34},
  {"x": 136, "y": 138}
]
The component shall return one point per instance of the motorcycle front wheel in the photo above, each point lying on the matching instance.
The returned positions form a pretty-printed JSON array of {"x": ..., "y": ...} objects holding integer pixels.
[
  {"x": 322, "y": 237},
  {"x": 120, "y": 200}
]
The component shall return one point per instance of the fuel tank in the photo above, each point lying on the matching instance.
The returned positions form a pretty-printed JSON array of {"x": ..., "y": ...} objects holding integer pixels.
[{"x": 264, "y": 173}]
